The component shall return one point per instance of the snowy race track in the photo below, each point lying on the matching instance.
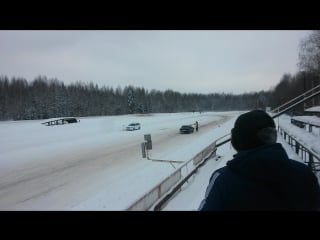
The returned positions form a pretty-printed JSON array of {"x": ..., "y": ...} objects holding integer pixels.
[{"x": 95, "y": 164}]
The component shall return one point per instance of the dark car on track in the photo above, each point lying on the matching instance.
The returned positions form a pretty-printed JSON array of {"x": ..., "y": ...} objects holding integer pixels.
[{"x": 186, "y": 129}]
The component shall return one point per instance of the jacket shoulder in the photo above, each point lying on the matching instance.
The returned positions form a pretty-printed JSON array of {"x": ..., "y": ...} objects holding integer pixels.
[
  {"x": 219, "y": 172},
  {"x": 304, "y": 172},
  {"x": 300, "y": 167}
]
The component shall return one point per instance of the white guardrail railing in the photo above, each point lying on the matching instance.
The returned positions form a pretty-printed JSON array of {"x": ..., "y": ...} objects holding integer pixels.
[{"x": 155, "y": 194}]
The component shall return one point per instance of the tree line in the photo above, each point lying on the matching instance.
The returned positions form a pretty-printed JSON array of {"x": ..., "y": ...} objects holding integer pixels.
[
  {"x": 49, "y": 98},
  {"x": 308, "y": 76}
]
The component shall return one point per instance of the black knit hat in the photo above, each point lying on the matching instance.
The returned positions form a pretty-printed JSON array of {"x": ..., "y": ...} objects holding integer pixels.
[{"x": 253, "y": 129}]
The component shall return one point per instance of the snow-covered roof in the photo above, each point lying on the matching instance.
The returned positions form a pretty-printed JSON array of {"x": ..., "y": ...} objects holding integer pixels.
[
  {"x": 314, "y": 120},
  {"x": 313, "y": 109},
  {"x": 309, "y": 140}
]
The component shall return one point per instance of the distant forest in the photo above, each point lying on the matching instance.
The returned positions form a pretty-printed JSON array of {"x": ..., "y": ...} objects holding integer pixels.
[
  {"x": 43, "y": 99},
  {"x": 49, "y": 98}
]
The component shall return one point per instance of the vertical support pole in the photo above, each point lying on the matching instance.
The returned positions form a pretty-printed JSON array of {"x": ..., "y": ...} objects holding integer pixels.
[
  {"x": 285, "y": 136},
  {"x": 143, "y": 150},
  {"x": 297, "y": 147},
  {"x": 310, "y": 163}
]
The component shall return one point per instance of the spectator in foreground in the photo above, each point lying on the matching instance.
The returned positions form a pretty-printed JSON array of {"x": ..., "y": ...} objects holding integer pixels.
[{"x": 260, "y": 176}]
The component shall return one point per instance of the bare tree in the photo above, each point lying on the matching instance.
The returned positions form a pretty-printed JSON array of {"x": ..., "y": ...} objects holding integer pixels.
[
  {"x": 309, "y": 58},
  {"x": 309, "y": 55}
]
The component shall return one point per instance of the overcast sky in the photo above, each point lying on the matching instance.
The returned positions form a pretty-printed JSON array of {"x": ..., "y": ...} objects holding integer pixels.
[{"x": 184, "y": 61}]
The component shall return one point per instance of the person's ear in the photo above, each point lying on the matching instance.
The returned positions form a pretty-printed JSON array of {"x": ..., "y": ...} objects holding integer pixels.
[{"x": 267, "y": 135}]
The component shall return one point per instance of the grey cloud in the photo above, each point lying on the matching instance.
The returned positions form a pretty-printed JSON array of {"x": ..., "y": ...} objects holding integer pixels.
[{"x": 186, "y": 61}]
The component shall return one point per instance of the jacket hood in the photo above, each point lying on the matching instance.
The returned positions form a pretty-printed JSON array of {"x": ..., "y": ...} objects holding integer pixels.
[{"x": 267, "y": 164}]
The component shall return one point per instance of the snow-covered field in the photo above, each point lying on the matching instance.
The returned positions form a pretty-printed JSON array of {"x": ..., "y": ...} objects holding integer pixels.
[{"x": 95, "y": 164}]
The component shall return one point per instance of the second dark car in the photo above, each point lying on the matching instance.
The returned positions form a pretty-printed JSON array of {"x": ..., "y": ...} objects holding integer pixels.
[{"x": 186, "y": 129}]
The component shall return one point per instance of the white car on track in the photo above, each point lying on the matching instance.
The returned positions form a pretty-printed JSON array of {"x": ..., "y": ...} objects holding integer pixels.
[{"x": 133, "y": 126}]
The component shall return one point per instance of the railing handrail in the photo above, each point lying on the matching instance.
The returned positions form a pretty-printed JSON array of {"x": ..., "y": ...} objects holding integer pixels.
[
  {"x": 159, "y": 205},
  {"x": 302, "y": 95},
  {"x": 313, "y": 152},
  {"x": 295, "y": 104},
  {"x": 185, "y": 164},
  {"x": 309, "y": 150}
]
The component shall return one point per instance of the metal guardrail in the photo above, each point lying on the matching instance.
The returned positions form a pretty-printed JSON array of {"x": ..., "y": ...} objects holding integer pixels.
[
  {"x": 163, "y": 201},
  {"x": 147, "y": 200},
  {"x": 307, "y": 155},
  {"x": 304, "y": 124},
  {"x": 160, "y": 192}
]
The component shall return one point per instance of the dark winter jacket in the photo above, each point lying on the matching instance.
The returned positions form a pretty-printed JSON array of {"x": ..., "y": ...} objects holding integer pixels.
[{"x": 262, "y": 179}]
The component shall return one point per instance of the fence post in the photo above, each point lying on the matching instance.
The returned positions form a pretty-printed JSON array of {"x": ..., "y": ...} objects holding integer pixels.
[
  {"x": 297, "y": 147},
  {"x": 310, "y": 163},
  {"x": 290, "y": 142}
]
